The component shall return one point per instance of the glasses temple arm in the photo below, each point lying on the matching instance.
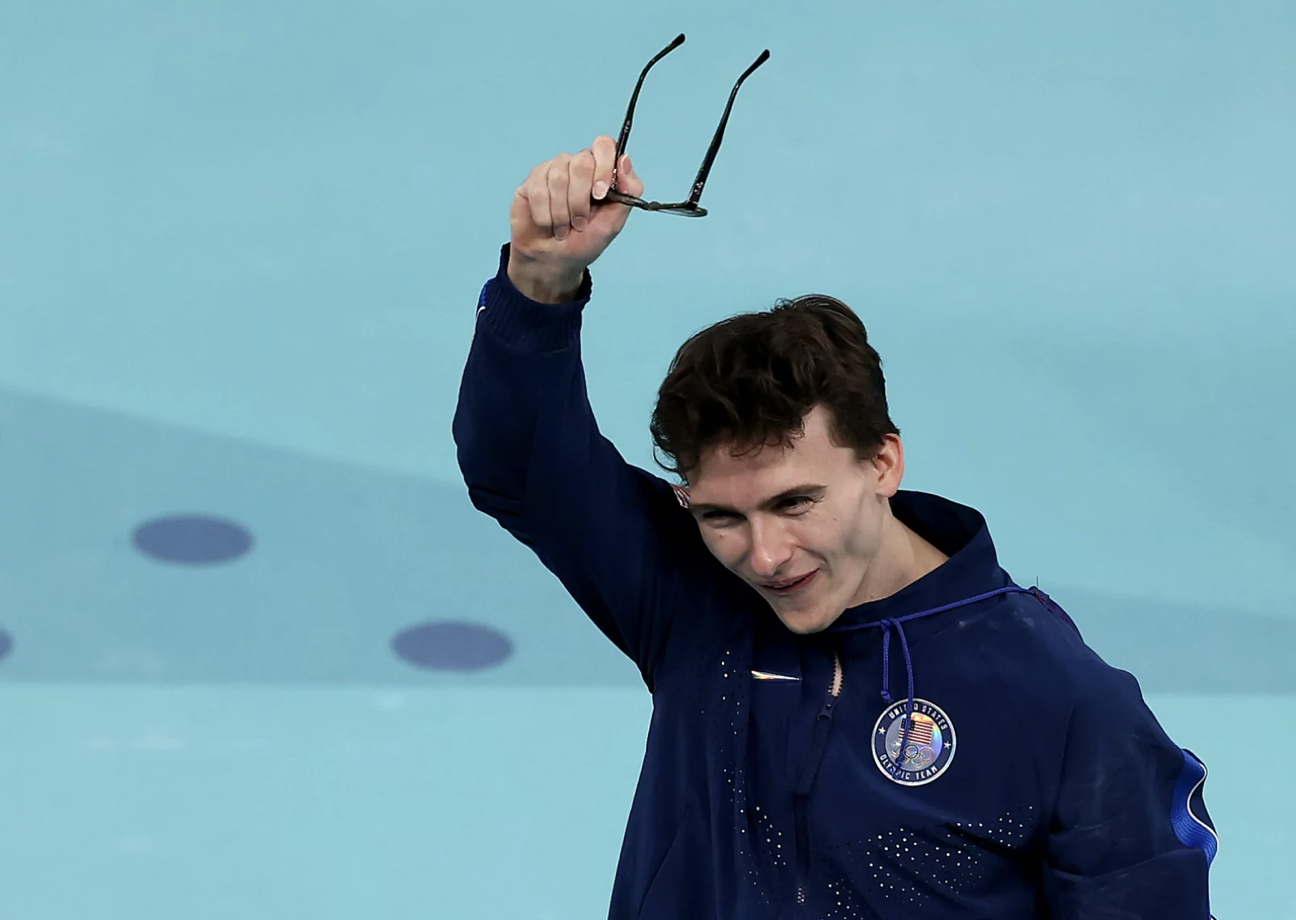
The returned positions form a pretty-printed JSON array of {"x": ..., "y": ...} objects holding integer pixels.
[
  {"x": 709, "y": 159},
  {"x": 634, "y": 98}
]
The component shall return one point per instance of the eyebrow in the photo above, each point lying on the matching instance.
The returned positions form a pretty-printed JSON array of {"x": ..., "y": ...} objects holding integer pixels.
[{"x": 808, "y": 489}]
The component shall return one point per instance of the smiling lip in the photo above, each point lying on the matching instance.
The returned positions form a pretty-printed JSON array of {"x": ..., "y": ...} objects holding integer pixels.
[{"x": 799, "y": 585}]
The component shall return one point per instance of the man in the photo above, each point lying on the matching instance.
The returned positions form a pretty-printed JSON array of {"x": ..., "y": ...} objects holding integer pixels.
[{"x": 857, "y": 713}]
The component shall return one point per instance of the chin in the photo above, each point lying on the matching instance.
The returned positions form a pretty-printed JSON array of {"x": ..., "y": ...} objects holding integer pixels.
[{"x": 804, "y": 623}]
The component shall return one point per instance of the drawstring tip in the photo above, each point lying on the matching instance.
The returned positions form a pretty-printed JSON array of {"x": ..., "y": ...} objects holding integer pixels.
[{"x": 887, "y": 698}]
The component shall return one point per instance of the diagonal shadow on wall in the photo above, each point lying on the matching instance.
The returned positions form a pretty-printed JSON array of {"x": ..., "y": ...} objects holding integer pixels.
[{"x": 345, "y": 558}]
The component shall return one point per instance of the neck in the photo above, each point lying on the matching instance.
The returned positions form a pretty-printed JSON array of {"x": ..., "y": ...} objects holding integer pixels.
[{"x": 903, "y": 557}]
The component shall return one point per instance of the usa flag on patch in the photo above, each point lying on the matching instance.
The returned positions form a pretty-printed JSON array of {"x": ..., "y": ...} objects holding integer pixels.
[
  {"x": 681, "y": 495},
  {"x": 921, "y": 732}
]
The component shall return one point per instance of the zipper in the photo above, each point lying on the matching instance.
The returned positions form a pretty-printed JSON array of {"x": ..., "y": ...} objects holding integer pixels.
[{"x": 806, "y": 774}]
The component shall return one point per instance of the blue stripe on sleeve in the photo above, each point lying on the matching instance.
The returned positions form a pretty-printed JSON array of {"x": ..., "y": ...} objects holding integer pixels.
[{"x": 1191, "y": 830}]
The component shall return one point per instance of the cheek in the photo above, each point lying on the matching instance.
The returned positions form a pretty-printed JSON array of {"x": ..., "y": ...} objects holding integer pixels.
[
  {"x": 865, "y": 532},
  {"x": 854, "y": 530},
  {"x": 722, "y": 546}
]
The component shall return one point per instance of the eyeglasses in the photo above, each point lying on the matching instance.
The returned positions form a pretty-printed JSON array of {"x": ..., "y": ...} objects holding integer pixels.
[{"x": 690, "y": 207}]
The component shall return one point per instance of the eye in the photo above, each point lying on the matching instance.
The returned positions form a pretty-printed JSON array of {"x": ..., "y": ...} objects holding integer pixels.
[
  {"x": 797, "y": 504},
  {"x": 719, "y": 518}
]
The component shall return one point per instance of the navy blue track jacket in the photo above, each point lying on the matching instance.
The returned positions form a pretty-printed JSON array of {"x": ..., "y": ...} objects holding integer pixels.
[{"x": 979, "y": 760}]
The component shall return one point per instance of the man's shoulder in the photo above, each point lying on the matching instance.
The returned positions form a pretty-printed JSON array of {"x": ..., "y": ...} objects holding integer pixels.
[
  {"x": 1038, "y": 638},
  {"x": 1050, "y": 646}
]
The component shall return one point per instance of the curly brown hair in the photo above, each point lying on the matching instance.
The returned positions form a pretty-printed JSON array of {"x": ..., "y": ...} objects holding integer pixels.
[{"x": 750, "y": 381}]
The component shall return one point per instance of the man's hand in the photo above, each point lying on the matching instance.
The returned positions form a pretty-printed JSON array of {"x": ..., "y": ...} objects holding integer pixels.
[{"x": 560, "y": 222}]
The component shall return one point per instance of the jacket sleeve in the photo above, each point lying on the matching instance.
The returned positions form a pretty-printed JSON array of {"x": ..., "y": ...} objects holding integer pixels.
[
  {"x": 1130, "y": 838},
  {"x": 533, "y": 459}
]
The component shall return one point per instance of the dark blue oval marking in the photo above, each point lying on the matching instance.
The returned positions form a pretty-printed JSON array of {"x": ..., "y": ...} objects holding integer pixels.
[
  {"x": 452, "y": 646},
  {"x": 192, "y": 539}
]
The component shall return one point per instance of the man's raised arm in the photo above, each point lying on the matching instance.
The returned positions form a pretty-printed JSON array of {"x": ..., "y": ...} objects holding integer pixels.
[{"x": 528, "y": 445}]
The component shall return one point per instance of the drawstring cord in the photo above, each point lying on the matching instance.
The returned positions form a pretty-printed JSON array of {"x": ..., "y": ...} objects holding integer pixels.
[
  {"x": 886, "y": 625},
  {"x": 897, "y": 623}
]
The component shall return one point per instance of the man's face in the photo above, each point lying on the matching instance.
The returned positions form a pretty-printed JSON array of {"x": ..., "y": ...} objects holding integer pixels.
[{"x": 800, "y": 524}]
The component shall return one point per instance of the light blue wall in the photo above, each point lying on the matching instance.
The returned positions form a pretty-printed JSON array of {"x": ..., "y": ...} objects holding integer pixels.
[{"x": 240, "y": 249}]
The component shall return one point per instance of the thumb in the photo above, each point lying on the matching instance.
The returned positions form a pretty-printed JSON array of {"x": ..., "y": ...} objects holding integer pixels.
[{"x": 630, "y": 182}]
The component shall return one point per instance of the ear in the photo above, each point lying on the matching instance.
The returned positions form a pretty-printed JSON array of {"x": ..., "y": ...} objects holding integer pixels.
[{"x": 888, "y": 465}]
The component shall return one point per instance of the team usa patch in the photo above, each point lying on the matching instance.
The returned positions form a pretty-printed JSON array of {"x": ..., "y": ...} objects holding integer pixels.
[
  {"x": 931, "y": 743},
  {"x": 681, "y": 495}
]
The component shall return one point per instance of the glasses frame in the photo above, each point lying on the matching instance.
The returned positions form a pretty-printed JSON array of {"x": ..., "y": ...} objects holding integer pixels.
[{"x": 689, "y": 208}]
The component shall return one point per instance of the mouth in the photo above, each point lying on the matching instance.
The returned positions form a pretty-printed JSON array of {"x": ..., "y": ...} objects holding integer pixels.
[{"x": 784, "y": 588}]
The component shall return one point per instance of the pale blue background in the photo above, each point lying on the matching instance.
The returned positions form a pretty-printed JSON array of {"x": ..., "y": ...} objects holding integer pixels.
[{"x": 240, "y": 250}]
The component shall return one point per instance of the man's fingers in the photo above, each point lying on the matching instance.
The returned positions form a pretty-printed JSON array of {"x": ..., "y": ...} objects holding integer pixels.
[
  {"x": 536, "y": 192},
  {"x": 578, "y": 188},
  {"x": 558, "y": 181},
  {"x": 568, "y": 192}
]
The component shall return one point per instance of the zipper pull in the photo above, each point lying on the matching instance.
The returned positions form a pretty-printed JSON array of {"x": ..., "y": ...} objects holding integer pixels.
[{"x": 834, "y": 690}]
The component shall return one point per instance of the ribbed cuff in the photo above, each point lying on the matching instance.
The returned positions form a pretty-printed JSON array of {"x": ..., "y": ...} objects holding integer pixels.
[{"x": 527, "y": 324}]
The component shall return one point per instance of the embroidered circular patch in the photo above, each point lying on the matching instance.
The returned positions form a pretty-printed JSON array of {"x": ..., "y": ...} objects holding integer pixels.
[{"x": 930, "y": 747}]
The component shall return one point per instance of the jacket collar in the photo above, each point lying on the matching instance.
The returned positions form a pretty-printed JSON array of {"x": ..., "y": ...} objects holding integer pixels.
[{"x": 972, "y": 568}]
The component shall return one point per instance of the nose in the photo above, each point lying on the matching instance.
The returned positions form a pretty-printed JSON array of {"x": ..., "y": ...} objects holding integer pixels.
[{"x": 770, "y": 548}]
